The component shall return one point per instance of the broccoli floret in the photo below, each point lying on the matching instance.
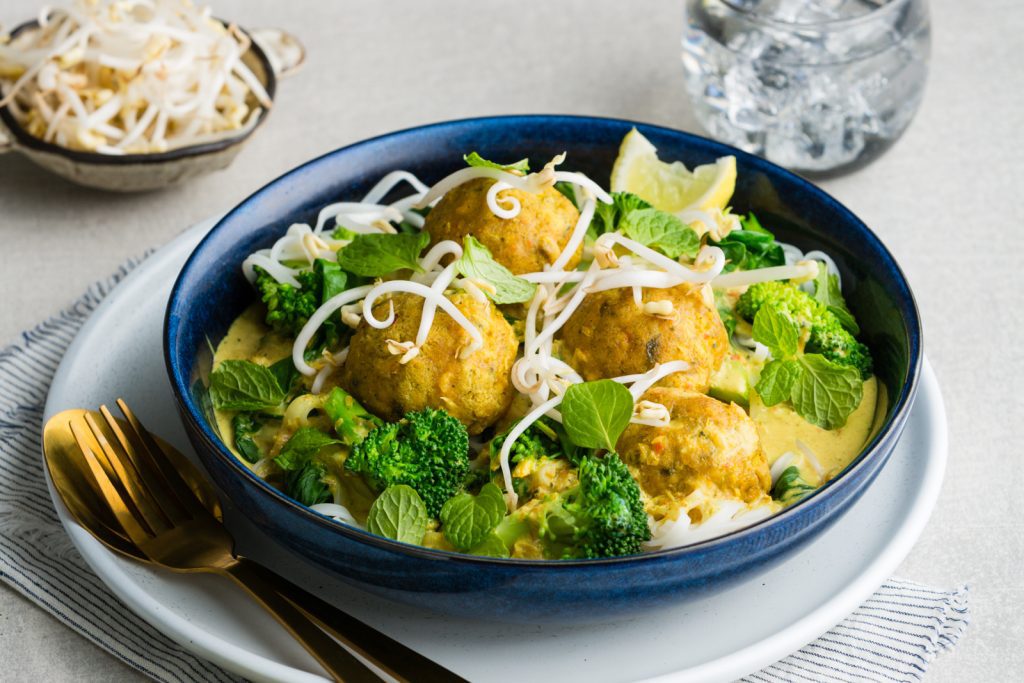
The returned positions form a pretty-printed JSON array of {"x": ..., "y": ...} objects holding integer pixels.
[
  {"x": 288, "y": 308},
  {"x": 603, "y": 516},
  {"x": 427, "y": 450},
  {"x": 352, "y": 421},
  {"x": 827, "y": 334}
]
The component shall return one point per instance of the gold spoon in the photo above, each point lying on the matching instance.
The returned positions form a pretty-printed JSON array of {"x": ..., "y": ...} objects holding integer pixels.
[{"x": 142, "y": 498}]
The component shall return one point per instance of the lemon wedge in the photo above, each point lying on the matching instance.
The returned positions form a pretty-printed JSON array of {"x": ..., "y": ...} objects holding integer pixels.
[{"x": 671, "y": 186}]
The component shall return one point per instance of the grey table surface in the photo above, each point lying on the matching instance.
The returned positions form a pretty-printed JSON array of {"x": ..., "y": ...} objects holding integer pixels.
[{"x": 948, "y": 199}]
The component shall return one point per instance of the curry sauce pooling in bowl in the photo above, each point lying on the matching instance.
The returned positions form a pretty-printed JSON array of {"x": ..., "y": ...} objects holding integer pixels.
[{"x": 577, "y": 373}]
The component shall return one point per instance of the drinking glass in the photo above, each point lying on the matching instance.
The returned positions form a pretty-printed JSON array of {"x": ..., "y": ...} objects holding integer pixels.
[{"x": 818, "y": 86}]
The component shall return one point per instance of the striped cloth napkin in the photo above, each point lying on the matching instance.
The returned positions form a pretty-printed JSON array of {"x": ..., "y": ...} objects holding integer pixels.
[{"x": 893, "y": 636}]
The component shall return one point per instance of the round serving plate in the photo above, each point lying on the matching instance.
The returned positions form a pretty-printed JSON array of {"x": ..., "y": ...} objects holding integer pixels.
[{"x": 118, "y": 354}]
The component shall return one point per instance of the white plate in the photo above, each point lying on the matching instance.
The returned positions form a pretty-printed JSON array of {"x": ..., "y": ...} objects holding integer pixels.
[{"x": 118, "y": 353}]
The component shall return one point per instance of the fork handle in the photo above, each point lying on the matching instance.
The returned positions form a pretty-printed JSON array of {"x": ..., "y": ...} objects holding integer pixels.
[
  {"x": 397, "y": 660},
  {"x": 341, "y": 664}
]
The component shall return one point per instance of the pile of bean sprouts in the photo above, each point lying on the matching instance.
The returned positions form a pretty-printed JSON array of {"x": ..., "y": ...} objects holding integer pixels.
[
  {"x": 130, "y": 77},
  {"x": 618, "y": 262}
]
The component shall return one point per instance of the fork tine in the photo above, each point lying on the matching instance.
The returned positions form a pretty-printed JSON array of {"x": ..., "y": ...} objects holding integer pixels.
[
  {"x": 134, "y": 488},
  {"x": 159, "y": 460},
  {"x": 125, "y": 517}
]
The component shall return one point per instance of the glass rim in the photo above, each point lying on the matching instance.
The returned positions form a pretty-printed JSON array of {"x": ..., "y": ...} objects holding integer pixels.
[{"x": 872, "y": 15}]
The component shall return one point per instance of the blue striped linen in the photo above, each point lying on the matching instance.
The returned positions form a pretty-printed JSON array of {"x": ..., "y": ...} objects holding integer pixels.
[{"x": 893, "y": 636}]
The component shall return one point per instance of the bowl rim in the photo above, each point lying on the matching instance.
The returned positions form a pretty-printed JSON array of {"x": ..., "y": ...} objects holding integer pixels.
[
  {"x": 189, "y": 411},
  {"x": 24, "y": 139}
]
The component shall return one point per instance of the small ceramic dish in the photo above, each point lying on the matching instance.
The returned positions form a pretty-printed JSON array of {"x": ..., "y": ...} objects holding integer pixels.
[
  {"x": 271, "y": 55},
  {"x": 211, "y": 291}
]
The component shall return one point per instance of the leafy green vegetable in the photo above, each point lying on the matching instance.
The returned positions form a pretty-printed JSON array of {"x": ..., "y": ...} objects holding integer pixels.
[
  {"x": 776, "y": 331},
  {"x": 398, "y": 513},
  {"x": 244, "y": 385},
  {"x": 827, "y": 293},
  {"x": 305, "y": 443},
  {"x": 474, "y": 159},
  {"x": 491, "y": 546},
  {"x": 245, "y": 425},
  {"x": 351, "y": 420},
  {"x": 306, "y": 484},
  {"x": 790, "y": 486},
  {"x": 377, "y": 254},
  {"x": 477, "y": 262},
  {"x": 751, "y": 247},
  {"x": 662, "y": 231},
  {"x": 467, "y": 520},
  {"x": 285, "y": 373},
  {"x": 825, "y": 393},
  {"x": 777, "y": 380},
  {"x": 595, "y": 414},
  {"x": 608, "y": 216}
]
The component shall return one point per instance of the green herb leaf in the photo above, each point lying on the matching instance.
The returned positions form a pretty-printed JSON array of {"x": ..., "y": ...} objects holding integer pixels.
[
  {"x": 608, "y": 216},
  {"x": 662, "y": 231},
  {"x": 826, "y": 393},
  {"x": 569, "y": 191},
  {"x": 777, "y": 380},
  {"x": 776, "y": 331},
  {"x": 245, "y": 425},
  {"x": 305, "y": 443},
  {"x": 477, "y": 262},
  {"x": 595, "y": 414},
  {"x": 468, "y": 520},
  {"x": 790, "y": 486},
  {"x": 306, "y": 484},
  {"x": 474, "y": 159},
  {"x": 285, "y": 373},
  {"x": 827, "y": 292},
  {"x": 244, "y": 385},
  {"x": 399, "y": 513},
  {"x": 378, "y": 254},
  {"x": 491, "y": 546},
  {"x": 335, "y": 280},
  {"x": 750, "y": 248}
]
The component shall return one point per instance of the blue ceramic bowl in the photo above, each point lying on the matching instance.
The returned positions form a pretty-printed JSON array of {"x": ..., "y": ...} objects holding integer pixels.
[{"x": 211, "y": 292}]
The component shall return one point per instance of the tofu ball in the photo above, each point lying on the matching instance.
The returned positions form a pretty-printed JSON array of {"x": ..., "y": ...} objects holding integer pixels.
[
  {"x": 476, "y": 389},
  {"x": 708, "y": 443},
  {"x": 523, "y": 244},
  {"x": 611, "y": 335}
]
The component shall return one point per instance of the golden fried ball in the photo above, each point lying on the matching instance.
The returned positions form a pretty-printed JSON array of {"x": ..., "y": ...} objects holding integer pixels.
[
  {"x": 523, "y": 244},
  {"x": 476, "y": 390},
  {"x": 708, "y": 443},
  {"x": 611, "y": 335}
]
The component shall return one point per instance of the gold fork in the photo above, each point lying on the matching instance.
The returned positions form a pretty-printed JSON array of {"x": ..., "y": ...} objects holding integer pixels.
[{"x": 162, "y": 509}]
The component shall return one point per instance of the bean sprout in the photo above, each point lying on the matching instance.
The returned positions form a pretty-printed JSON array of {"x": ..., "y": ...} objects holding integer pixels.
[{"x": 130, "y": 77}]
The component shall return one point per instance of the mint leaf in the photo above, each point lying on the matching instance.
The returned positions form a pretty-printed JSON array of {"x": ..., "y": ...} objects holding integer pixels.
[
  {"x": 244, "y": 385},
  {"x": 790, "y": 486},
  {"x": 378, "y": 254},
  {"x": 826, "y": 393},
  {"x": 477, "y": 262},
  {"x": 335, "y": 280},
  {"x": 468, "y": 520},
  {"x": 245, "y": 425},
  {"x": 776, "y": 331},
  {"x": 595, "y": 414},
  {"x": 398, "y": 513},
  {"x": 305, "y": 443},
  {"x": 750, "y": 248},
  {"x": 662, "y": 231},
  {"x": 474, "y": 159},
  {"x": 491, "y": 546},
  {"x": 608, "y": 216},
  {"x": 777, "y": 380}
]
